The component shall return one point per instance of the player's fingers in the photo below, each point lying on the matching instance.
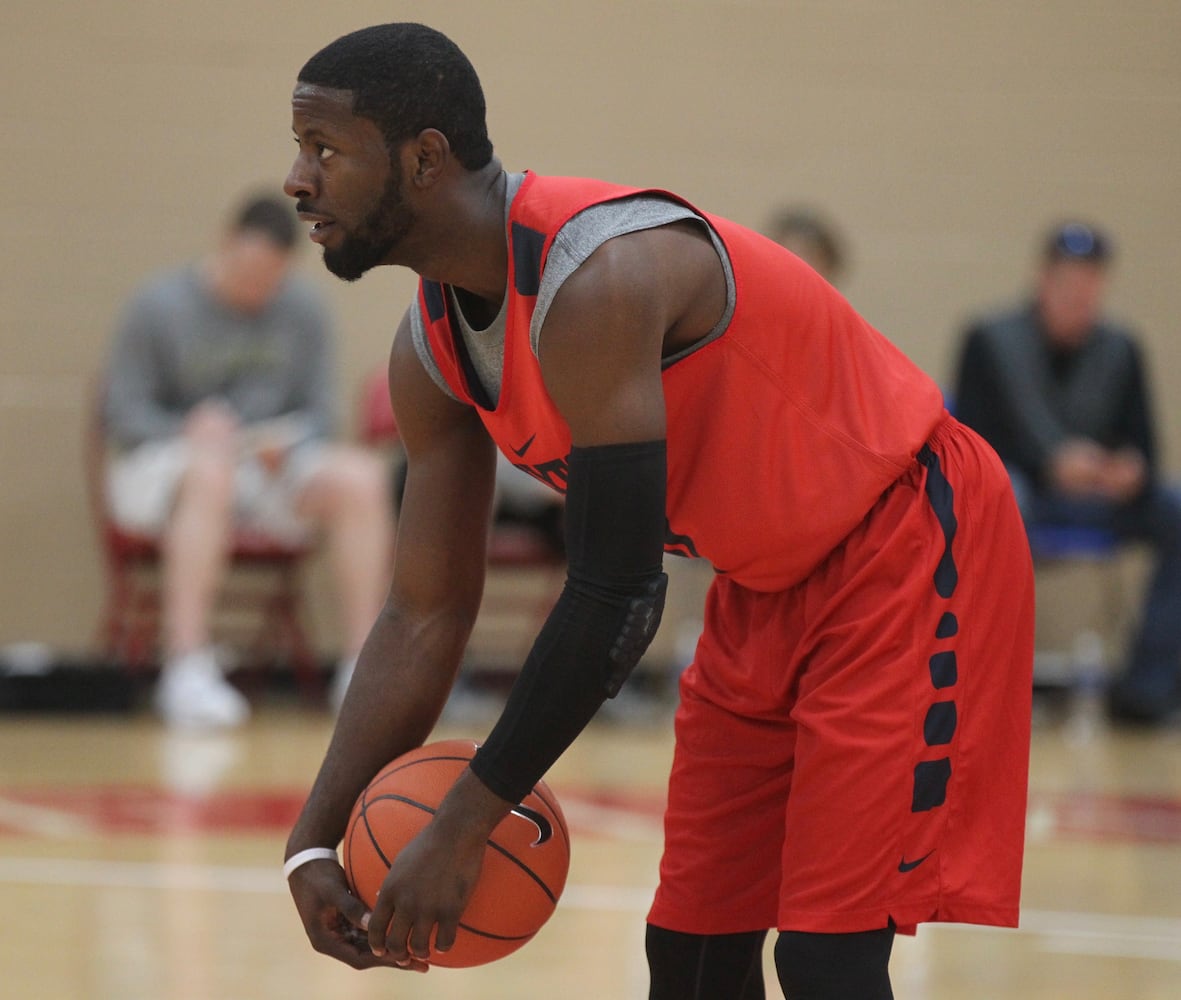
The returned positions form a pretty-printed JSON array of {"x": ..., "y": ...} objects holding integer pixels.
[
  {"x": 335, "y": 920},
  {"x": 347, "y": 949},
  {"x": 379, "y": 922},
  {"x": 360, "y": 957},
  {"x": 338, "y": 938},
  {"x": 419, "y": 941},
  {"x": 397, "y": 936},
  {"x": 353, "y": 910},
  {"x": 321, "y": 897},
  {"x": 352, "y": 947},
  {"x": 445, "y": 934}
]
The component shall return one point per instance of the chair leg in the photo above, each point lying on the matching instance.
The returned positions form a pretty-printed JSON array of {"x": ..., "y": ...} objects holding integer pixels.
[
  {"x": 283, "y": 626},
  {"x": 129, "y": 626},
  {"x": 303, "y": 659},
  {"x": 106, "y": 634},
  {"x": 144, "y": 637},
  {"x": 113, "y": 624}
]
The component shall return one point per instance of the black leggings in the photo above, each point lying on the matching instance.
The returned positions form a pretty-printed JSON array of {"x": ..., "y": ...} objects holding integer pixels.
[
  {"x": 697, "y": 967},
  {"x": 809, "y": 966}
]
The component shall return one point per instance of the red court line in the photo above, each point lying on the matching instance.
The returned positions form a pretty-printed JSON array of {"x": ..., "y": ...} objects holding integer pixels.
[
  {"x": 144, "y": 809},
  {"x": 136, "y": 809},
  {"x": 1105, "y": 816}
]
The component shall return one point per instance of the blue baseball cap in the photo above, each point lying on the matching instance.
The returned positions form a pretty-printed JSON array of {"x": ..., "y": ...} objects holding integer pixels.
[{"x": 1078, "y": 241}]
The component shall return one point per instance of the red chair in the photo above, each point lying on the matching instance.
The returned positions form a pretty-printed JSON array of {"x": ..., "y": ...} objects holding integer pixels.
[
  {"x": 526, "y": 572},
  {"x": 260, "y": 607}
]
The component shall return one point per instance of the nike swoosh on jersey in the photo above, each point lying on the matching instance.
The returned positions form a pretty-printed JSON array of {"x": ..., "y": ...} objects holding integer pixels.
[
  {"x": 520, "y": 452},
  {"x": 909, "y": 866}
]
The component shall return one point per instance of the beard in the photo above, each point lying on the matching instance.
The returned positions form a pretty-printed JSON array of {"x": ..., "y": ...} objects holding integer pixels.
[{"x": 383, "y": 229}]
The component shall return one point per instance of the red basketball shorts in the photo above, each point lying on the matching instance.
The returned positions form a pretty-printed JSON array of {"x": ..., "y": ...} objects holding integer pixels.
[{"x": 855, "y": 750}]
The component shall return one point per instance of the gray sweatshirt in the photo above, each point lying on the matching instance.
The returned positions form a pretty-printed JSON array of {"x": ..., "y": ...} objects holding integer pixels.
[{"x": 177, "y": 346}]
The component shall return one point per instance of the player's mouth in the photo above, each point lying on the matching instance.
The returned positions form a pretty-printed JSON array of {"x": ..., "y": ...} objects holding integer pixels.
[
  {"x": 322, "y": 226},
  {"x": 321, "y": 231}
]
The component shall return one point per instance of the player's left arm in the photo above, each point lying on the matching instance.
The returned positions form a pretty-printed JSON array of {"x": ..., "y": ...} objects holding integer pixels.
[
  {"x": 635, "y": 299},
  {"x": 600, "y": 354}
]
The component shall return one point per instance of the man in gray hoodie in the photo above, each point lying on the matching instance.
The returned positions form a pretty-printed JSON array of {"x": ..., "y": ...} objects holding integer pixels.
[{"x": 220, "y": 412}]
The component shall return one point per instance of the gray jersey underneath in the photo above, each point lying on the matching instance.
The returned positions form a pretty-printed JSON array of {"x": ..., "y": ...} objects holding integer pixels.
[{"x": 580, "y": 237}]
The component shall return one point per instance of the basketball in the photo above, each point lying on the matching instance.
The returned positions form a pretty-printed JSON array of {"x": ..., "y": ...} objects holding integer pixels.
[{"x": 526, "y": 859}]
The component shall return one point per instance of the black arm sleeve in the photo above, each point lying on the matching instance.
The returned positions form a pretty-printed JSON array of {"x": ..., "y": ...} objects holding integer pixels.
[{"x": 601, "y": 624}]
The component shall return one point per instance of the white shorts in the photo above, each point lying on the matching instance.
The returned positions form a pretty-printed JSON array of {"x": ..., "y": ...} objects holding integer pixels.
[{"x": 142, "y": 484}]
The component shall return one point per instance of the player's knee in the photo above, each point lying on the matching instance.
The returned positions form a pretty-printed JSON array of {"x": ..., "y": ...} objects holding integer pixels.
[
  {"x": 834, "y": 966},
  {"x": 701, "y": 966},
  {"x": 671, "y": 955}
]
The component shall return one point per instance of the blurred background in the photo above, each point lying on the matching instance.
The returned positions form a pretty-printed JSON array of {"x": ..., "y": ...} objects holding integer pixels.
[{"x": 942, "y": 138}]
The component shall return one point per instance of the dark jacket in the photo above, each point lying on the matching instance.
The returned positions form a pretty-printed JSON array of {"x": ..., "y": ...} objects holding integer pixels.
[{"x": 1025, "y": 397}]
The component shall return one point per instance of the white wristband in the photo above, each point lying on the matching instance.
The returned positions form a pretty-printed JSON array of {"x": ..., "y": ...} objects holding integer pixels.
[{"x": 301, "y": 858}]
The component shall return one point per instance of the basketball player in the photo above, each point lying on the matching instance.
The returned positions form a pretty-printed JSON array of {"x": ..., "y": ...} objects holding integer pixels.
[{"x": 852, "y": 739}]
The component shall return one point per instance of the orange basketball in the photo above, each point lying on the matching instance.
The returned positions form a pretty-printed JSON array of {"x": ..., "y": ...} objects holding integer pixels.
[{"x": 525, "y": 860}]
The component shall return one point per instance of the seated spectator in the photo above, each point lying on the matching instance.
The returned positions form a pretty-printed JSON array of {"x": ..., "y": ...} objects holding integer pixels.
[
  {"x": 810, "y": 238},
  {"x": 1061, "y": 394},
  {"x": 220, "y": 412},
  {"x": 520, "y": 499}
]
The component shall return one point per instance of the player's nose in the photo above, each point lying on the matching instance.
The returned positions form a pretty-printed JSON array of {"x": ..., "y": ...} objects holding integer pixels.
[{"x": 300, "y": 183}]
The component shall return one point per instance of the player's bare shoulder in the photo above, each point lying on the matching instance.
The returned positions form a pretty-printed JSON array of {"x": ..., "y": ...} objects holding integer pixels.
[
  {"x": 695, "y": 277},
  {"x": 403, "y": 353},
  {"x": 406, "y": 372}
]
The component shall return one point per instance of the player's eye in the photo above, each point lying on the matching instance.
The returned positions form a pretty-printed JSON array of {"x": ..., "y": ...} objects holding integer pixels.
[{"x": 322, "y": 152}]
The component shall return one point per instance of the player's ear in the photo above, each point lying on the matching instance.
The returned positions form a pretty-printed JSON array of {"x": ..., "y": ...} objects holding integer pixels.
[{"x": 431, "y": 153}]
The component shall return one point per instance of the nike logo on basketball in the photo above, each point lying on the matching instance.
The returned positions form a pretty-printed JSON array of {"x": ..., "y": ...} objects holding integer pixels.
[
  {"x": 520, "y": 452},
  {"x": 545, "y": 829},
  {"x": 909, "y": 866}
]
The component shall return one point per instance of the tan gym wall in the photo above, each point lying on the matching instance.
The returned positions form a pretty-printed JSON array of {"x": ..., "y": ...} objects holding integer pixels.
[{"x": 941, "y": 136}]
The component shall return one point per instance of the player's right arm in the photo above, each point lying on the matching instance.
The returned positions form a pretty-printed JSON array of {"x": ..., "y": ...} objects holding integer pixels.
[{"x": 410, "y": 659}]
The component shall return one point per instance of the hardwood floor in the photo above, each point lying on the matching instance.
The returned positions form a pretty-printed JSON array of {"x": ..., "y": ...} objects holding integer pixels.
[{"x": 136, "y": 864}]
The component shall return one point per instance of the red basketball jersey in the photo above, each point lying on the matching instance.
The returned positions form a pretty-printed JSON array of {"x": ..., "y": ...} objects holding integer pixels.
[{"x": 782, "y": 432}]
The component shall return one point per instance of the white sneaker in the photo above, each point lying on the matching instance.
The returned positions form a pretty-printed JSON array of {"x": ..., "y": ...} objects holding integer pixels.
[
  {"x": 194, "y": 694},
  {"x": 340, "y": 682}
]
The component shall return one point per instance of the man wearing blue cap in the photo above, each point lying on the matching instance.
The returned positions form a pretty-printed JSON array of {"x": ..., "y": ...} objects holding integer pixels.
[{"x": 1061, "y": 394}]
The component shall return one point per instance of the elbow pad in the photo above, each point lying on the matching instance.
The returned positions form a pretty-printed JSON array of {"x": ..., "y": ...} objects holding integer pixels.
[
  {"x": 602, "y": 623},
  {"x": 638, "y": 629}
]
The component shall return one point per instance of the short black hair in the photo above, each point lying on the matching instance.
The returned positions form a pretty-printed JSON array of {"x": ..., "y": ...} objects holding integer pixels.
[
  {"x": 269, "y": 215},
  {"x": 407, "y": 77}
]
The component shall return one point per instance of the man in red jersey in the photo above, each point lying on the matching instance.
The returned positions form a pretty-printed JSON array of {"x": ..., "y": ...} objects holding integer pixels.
[{"x": 853, "y": 735}]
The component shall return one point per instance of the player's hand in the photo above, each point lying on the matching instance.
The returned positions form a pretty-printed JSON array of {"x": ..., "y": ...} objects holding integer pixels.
[
  {"x": 424, "y": 894},
  {"x": 433, "y": 877},
  {"x": 335, "y": 920}
]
